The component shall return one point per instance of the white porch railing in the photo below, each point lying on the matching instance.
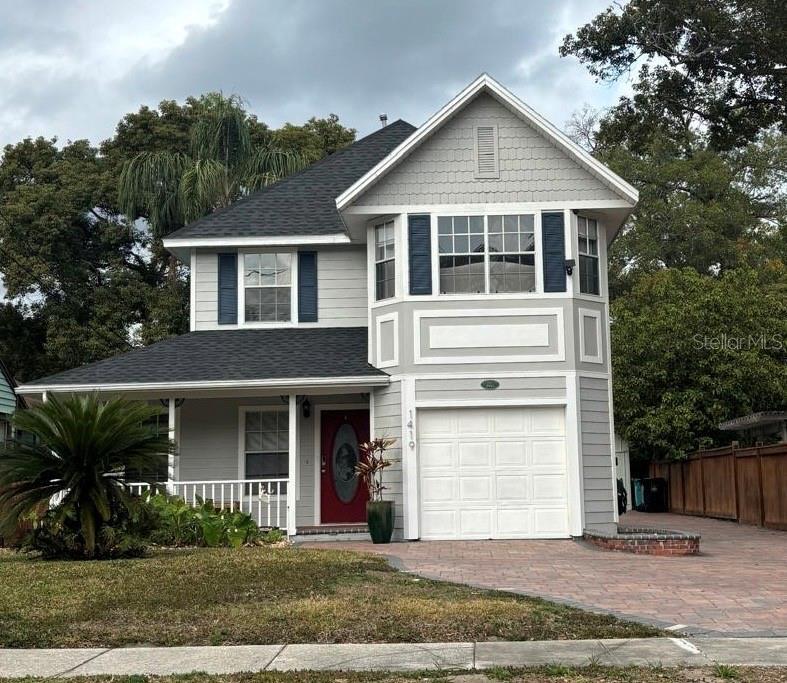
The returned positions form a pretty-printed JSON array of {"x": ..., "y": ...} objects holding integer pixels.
[{"x": 265, "y": 500}]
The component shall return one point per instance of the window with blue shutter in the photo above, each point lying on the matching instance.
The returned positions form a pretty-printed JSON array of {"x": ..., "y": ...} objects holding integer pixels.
[
  {"x": 419, "y": 231},
  {"x": 553, "y": 243},
  {"x": 228, "y": 289},
  {"x": 307, "y": 286}
]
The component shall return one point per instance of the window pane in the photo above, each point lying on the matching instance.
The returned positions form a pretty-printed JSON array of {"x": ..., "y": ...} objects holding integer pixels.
[
  {"x": 253, "y": 422},
  {"x": 252, "y": 308},
  {"x": 588, "y": 275},
  {"x": 511, "y": 242},
  {"x": 510, "y": 224},
  {"x": 267, "y": 270},
  {"x": 495, "y": 223},
  {"x": 444, "y": 225},
  {"x": 282, "y": 269},
  {"x": 512, "y": 273},
  {"x": 385, "y": 279},
  {"x": 461, "y": 274},
  {"x": 445, "y": 244},
  {"x": 461, "y": 244},
  {"x": 526, "y": 223},
  {"x": 253, "y": 441},
  {"x": 267, "y": 465},
  {"x": 460, "y": 224},
  {"x": 477, "y": 224},
  {"x": 495, "y": 243},
  {"x": 527, "y": 241},
  {"x": 251, "y": 269}
]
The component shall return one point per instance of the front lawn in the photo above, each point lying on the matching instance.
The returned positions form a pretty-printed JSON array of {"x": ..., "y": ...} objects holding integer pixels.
[{"x": 265, "y": 595}]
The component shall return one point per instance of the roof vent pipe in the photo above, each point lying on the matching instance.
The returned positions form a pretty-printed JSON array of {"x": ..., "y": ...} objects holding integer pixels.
[{"x": 383, "y": 120}]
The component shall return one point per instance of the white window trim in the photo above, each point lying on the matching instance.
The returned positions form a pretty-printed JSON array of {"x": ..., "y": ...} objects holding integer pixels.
[
  {"x": 242, "y": 411},
  {"x": 293, "y": 321},
  {"x": 376, "y": 224},
  {"x": 584, "y": 357},
  {"x": 490, "y": 211},
  {"x": 598, "y": 257},
  {"x": 388, "y": 317}
]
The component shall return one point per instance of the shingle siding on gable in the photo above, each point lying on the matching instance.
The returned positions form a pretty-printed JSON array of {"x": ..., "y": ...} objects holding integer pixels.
[{"x": 441, "y": 170}]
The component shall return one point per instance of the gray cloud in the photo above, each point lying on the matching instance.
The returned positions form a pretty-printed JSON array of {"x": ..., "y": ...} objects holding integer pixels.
[{"x": 290, "y": 59}]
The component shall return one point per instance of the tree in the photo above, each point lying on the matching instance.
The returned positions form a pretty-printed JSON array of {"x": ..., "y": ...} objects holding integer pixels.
[
  {"x": 721, "y": 65},
  {"x": 315, "y": 139},
  {"x": 171, "y": 188},
  {"x": 68, "y": 260},
  {"x": 83, "y": 449},
  {"x": 690, "y": 351}
]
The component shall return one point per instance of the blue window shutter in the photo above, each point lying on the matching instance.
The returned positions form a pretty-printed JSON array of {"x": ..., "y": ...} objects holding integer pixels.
[
  {"x": 553, "y": 244},
  {"x": 307, "y": 286},
  {"x": 228, "y": 289},
  {"x": 419, "y": 231}
]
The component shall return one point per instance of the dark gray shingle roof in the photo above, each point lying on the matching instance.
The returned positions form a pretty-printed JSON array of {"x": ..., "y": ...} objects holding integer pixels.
[
  {"x": 225, "y": 355},
  {"x": 303, "y": 203}
]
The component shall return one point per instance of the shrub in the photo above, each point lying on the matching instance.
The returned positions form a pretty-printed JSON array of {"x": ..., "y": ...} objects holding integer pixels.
[
  {"x": 83, "y": 447},
  {"x": 179, "y": 524}
]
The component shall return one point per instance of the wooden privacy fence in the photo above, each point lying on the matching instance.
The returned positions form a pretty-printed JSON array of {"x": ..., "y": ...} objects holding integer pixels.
[{"x": 748, "y": 485}]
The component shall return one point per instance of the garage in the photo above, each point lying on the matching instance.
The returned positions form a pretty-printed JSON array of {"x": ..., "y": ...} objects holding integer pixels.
[{"x": 492, "y": 473}]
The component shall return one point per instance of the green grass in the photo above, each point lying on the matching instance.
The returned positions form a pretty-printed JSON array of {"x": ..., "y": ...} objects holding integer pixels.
[
  {"x": 265, "y": 595},
  {"x": 534, "y": 675}
]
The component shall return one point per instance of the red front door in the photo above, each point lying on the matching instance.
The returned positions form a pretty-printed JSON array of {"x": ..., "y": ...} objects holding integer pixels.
[{"x": 342, "y": 493}]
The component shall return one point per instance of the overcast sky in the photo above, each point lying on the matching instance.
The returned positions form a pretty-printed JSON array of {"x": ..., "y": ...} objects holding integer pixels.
[{"x": 72, "y": 69}]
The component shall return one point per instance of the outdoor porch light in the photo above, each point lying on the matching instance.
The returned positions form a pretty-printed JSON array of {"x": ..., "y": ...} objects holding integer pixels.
[{"x": 570, "y": 263}]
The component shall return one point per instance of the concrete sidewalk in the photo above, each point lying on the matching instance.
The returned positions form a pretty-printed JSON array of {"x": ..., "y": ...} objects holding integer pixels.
[{"x": 703, "y": 651}]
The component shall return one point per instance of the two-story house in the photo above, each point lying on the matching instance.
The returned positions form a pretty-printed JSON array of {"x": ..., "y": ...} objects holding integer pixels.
[{"x": 443, "y": 285}]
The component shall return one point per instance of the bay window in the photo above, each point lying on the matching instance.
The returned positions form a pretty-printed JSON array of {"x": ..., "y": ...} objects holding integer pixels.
[
  {"x": 587, "y": 229},
  {"x": 385, "y": 261},
  {"x": 486, "y": 254},
  {"x": 267, "y": 281}
]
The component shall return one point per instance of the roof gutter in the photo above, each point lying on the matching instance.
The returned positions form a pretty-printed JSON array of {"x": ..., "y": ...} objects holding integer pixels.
[
  {"x": 266, "y": 241},
  {"x": 295, "y": 383}
]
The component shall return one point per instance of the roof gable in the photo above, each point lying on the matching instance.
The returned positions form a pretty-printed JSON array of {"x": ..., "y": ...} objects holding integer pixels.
[{"x": 487, "y": 85}]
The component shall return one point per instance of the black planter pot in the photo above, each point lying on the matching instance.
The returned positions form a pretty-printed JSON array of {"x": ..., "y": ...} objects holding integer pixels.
[{"x": 380, "y": 518}]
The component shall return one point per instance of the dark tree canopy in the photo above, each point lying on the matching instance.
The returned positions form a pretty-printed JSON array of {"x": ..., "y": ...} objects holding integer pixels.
[
  {"x": 83, "y": 282},
  {"x": 721, "y": 64}
]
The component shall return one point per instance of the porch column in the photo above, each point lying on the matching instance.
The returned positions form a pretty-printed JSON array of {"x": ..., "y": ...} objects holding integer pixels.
[
  {"x": 172, "y": 424},
  {"x": 292, "y": 483}
]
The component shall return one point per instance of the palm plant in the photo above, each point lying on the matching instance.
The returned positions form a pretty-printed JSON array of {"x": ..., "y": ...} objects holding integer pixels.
[
  {"x": 172, "y": 188},
  {"x": 82, "y": 450}
]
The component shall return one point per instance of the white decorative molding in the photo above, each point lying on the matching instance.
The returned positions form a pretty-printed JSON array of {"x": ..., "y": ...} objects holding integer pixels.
[
  {"x": 388, "y": 317},
  {"x": 444, "y": 314},
  {"x": 584, "y": 357},
  {"x": 488, "y": 336}
]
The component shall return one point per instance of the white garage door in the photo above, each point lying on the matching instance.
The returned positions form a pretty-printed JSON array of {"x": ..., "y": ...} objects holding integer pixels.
[{"x": 493, "y": 473}]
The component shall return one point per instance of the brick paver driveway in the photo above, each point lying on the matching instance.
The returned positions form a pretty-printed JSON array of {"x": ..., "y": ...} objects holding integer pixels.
[{"x": 737, "y": 586}]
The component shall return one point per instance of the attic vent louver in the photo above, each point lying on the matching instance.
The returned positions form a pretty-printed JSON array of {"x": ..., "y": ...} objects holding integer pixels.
[{"x": 486, "y": 160}]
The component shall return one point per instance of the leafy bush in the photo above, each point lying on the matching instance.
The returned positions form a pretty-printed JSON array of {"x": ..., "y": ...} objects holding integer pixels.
[
  {"x": 179, "y": 524},
  {"x": 57, "y": 534}
]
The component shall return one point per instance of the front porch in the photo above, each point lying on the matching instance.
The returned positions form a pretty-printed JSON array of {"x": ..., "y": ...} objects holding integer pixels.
[{"x": 276, "y": 458}]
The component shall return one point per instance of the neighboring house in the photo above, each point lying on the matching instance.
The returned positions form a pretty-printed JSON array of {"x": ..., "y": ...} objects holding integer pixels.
[
  {"x": 9, "y": 402},
  {"x": 445, "y": 286}
]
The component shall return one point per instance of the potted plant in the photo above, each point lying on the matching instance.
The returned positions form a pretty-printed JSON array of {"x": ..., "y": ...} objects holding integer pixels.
[{"x": 379, "y": 512}]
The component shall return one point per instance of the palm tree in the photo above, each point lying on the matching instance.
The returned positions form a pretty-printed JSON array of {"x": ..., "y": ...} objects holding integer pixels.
[
  {"x": 82, "y": 450},
  {"x": 171, "y": 189}
]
